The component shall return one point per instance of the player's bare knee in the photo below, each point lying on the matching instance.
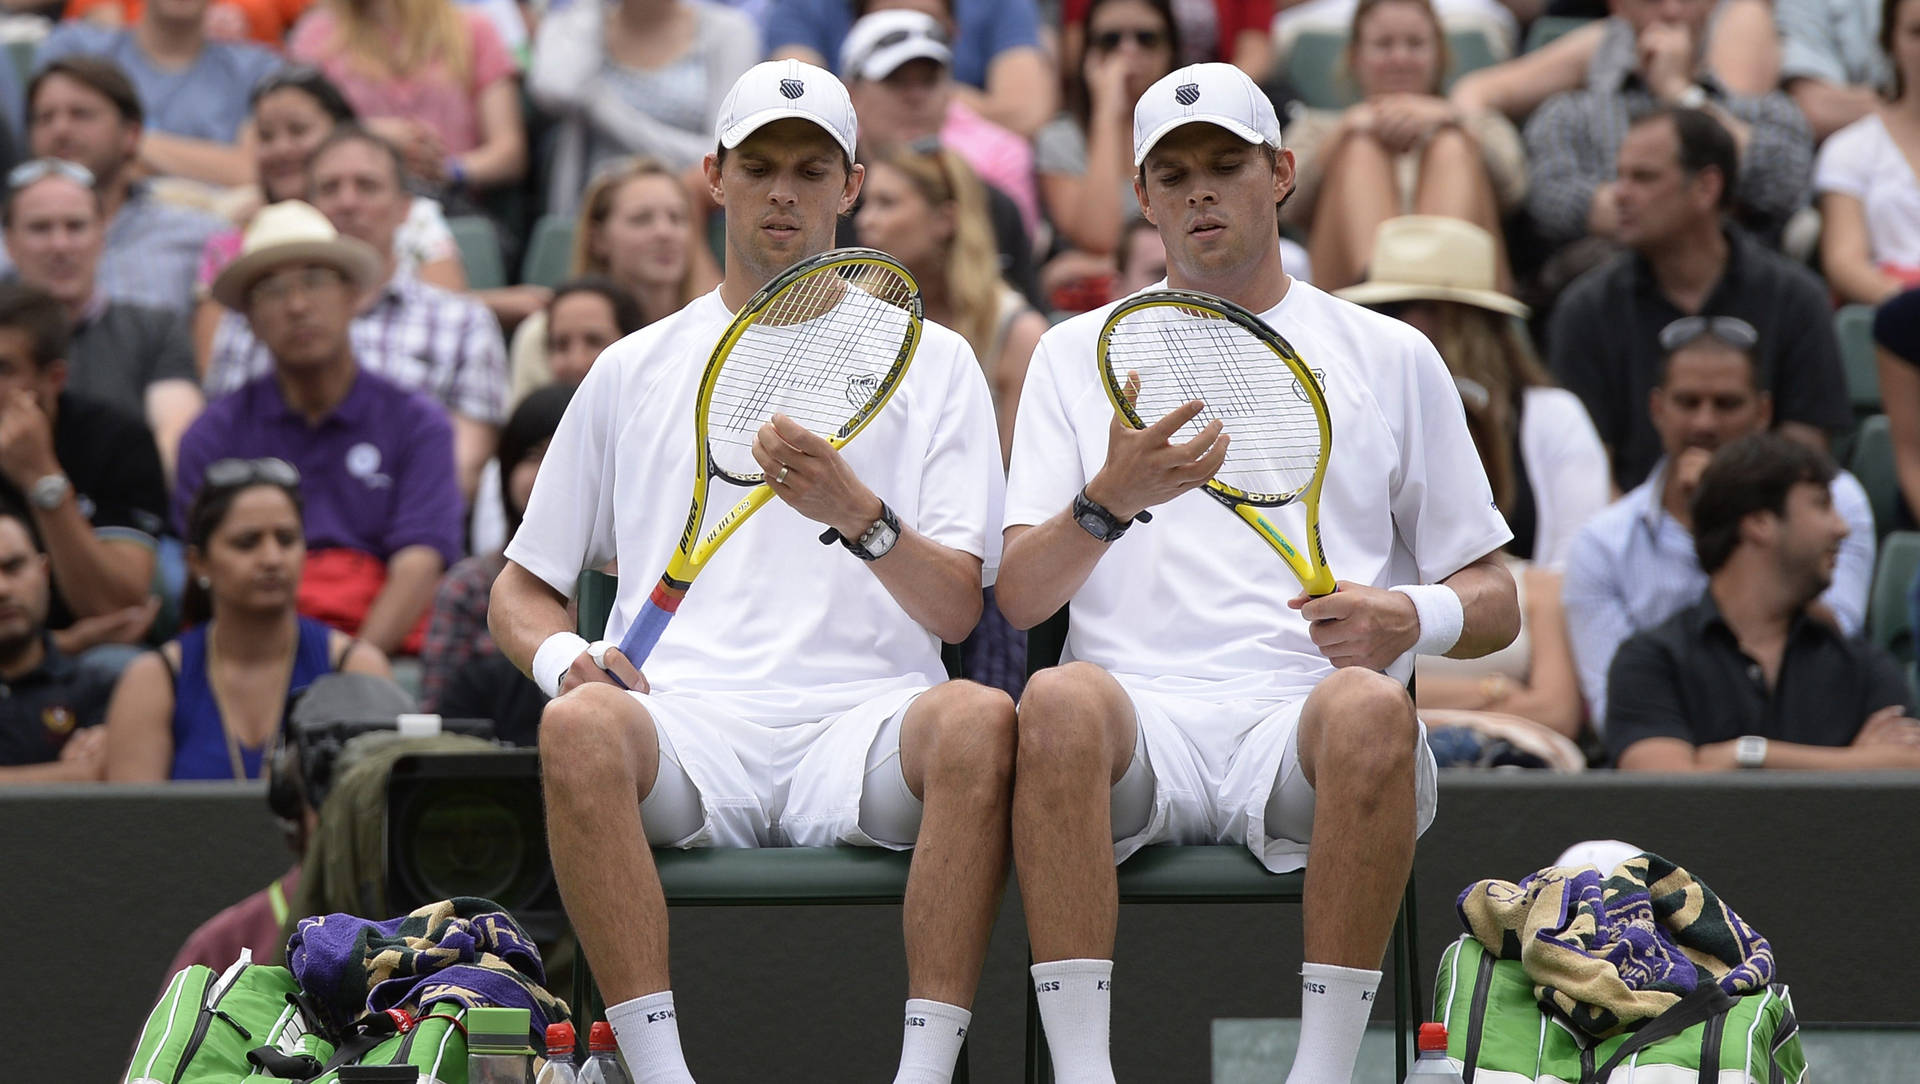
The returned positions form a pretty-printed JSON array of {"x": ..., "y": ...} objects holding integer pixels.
[
  {"x": 1063, "y": 719},
  {"x": 969, "y": 732},
  {"x": 1451, "y": 144},
  {"x": 589, "y": 738},
  {"x": 1362, "y": 722}
]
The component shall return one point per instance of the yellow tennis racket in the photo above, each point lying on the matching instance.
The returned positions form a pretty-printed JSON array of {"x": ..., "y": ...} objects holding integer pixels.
[
  {"x": 826, "y": 342},
  {"x": 1178, "y": 346}
]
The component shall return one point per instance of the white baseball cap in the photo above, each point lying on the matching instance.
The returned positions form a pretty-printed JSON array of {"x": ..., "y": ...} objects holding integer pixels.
[
  {"x": 1218, "y": 94},
  {"x": 779, "y": 89},
  {"x": 879, "y": 43}
]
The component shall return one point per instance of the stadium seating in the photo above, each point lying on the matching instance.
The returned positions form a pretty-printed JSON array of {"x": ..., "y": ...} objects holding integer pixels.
[
  {"x": 1853, "y": 326},
  {"x": 1872, "y": 462},
  {"x": 1548, "y": 27},
  {"x": 479, "y": 251},
  {"x": 549, "y": 251},
  {"x": 1889, "y": 620}
]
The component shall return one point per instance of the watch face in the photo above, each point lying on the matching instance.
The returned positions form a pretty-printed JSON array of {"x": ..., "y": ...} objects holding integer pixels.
[{"x": 1094, "y": 524}]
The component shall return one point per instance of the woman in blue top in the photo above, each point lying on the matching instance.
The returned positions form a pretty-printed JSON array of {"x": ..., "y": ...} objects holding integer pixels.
[{"x": 204, "y": 706}]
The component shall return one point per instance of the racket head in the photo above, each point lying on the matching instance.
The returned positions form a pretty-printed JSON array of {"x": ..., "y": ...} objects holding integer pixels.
[
  {"x": 1184, "y": 345},
  {"x": 825, "y": 342}
]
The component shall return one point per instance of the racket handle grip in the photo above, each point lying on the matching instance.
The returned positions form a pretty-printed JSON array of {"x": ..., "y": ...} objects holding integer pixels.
[{"x": 645, "y": 632}]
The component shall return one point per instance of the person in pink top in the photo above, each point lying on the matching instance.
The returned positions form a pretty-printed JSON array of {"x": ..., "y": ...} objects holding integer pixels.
[{"x": 434, "y": 79}]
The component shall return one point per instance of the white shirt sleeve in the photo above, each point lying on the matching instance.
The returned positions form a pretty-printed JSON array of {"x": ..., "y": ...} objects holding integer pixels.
[
  {"x": 1442, "y": 503},
  {"x": 1045, "y": 469},
  {"x": 1852, "y": 582},
  {"x": 569, "y": 523},
  {"x": 963, "y": 487},
  {"x": 1845, "y": 161},
  {"x": 1568, "y": 467}
]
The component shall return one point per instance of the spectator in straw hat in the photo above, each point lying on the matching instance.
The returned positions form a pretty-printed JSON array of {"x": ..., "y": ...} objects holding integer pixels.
[
  {"x": 1546, "y": 463},
  {"x": 383, "y": 508}
]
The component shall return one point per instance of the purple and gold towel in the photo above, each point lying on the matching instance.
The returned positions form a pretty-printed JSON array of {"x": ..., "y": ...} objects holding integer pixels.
[{"x": 1613, "y": 952}]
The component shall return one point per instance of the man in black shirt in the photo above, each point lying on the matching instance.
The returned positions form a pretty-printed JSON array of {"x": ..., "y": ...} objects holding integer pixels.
[
  {"x": 1746, "y": 677},
  {"x": 50, "y": 706},
  {"x": 89, "y": 475},
  {"x": 1683, "y": 260}
]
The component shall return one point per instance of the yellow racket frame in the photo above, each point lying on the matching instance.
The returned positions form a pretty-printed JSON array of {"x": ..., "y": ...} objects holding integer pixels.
[
  {"x": 695, "y": 547},
  {"x": 1309, "y": 567}
]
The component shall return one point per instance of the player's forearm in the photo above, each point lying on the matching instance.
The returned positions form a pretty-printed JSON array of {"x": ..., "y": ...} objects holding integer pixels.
[
  {"x": 1043, "y": 567},
  {"x": 412, "y": 575},
  {"x": 938, "y": 587},
  {"x": 1491, "y": 605},
  {"x": 522, "y": 612}
]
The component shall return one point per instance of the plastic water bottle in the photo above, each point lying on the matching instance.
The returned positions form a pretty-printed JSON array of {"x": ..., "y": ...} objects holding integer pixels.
[
  {"x": 603, "y": 1058},
  {"x": 497, "y": 1047},
  {"x": 560, "y": 1067},
  {"x": 1432, "y": 1066}
]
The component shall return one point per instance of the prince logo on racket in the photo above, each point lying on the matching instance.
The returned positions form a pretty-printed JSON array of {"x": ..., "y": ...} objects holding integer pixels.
[
  {"x": 1225, "y": 687},
  {"x": 770, "y": 690}
]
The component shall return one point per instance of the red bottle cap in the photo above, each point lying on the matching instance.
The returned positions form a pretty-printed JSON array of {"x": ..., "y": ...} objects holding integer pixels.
[
  {"x": 601, "y": 1038},
  {"x": 559, "y": 1039},
  {"x": 1433, "y": 1037}
]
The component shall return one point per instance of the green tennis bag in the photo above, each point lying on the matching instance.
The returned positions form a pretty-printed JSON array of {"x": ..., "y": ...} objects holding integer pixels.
[
  {"x": 207, "y": 1021},
  {"x": 247, "y": 1024},
  {"x": 1497, "y": 1033}
]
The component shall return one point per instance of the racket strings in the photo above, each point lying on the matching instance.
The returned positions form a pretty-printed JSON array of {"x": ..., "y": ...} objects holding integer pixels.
[
  {"x": 820, "y": 353},
  {"x": 1183, "y": 354}
]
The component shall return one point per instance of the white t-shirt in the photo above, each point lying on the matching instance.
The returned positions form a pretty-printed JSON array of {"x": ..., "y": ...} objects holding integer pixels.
[
  {"x": 1862, "y": 161},
  {"x": 777, "y": 627},
  {"x": 1568, "y": 468},
  {"x": 1195, "y": 602}
]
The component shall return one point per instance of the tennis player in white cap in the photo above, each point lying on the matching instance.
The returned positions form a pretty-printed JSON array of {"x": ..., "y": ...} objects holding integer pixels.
[
  {"x": 1210, "y": 701},
  {"x": 798, "y": 697}
]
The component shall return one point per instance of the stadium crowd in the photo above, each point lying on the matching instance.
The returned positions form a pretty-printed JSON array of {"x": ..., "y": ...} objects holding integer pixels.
[{"x": 296, "y": 292}]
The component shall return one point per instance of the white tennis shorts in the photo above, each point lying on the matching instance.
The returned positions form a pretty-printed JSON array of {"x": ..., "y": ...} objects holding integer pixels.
[
  {"x": 797, "y": 784},
  {"x": 1214, "y": 765}
]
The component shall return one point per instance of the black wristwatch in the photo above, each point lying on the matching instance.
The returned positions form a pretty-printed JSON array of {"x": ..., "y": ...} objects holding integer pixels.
[
  {"x": 1097, "y": 521},
  {"x": 875, "y": 542}
]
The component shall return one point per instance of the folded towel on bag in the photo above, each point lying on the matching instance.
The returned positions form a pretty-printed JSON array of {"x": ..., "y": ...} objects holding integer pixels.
[
  {"x": 465, "y": 950},
  {"x": 1611, "y": 952}
]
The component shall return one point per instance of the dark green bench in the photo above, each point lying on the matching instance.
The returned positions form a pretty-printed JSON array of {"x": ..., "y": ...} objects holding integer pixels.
[{"x": 856, "y": 875}]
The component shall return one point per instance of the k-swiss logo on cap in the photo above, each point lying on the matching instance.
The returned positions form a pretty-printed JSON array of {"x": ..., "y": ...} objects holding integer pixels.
[
  {"x": 792, "y": 88},
  {"x": 1186, "y": 93}
]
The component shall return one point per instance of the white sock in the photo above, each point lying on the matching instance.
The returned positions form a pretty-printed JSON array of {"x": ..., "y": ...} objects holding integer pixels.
[
  {"x": 1076, "y": 1004},
  {"x": 649, "y": 1037},
  {"x": 931, "y": 1041},
  {"x": 1335, "y": 1003}
]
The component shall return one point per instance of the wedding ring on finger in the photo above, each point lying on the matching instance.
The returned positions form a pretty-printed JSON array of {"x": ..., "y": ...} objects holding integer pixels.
[{"x": 781, "y": 478}]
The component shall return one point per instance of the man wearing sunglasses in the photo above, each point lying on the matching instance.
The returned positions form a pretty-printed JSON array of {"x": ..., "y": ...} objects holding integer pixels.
[{"x": 1633, "y": 565}]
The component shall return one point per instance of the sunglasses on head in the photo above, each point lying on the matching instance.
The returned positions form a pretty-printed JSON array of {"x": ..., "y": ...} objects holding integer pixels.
[
  {"x": 39, "y": 169},
  {"x": 1687, "y": 330},
  {"x": 1108, "y": 41},
  {"x": 269, "y": 470}
]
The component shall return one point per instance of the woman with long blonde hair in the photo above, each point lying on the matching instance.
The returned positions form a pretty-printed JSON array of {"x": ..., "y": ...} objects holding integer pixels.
[
  {"x": 433, "y": 78},
  {"x": 929, "y": 211},
  {"x": 637, "y": 228}
]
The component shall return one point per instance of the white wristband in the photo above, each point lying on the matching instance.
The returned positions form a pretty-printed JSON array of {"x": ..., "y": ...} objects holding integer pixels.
[
  {"x": 554, "y": 659},
  {"x": 1442, "y": 617}
]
